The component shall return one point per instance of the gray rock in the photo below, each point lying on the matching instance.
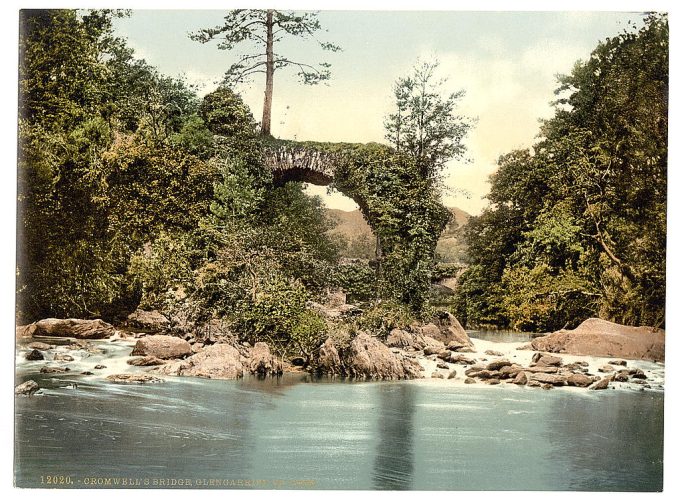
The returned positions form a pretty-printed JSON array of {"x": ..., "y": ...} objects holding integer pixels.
[
  {"x": 509, "y": 371},
  {"x": 99, "y": 367},
  {"x": 520, "y": 378},
  {"x": 498, "y": 364},
  {"x": 620, "y": 363},
  {"x": 133, "y": 379},
  {"x": 441, "y": 365},
  {"x": 580, "y": 380},
  {"x": 493, "y": 381},
  {"x": 26, "y": 388},
  {"x": 452, "y": 374},
  {"x": 469, "y": 380},
  {"x": 437, "y": 375},
  {"x": 601, "y": 384},
  {"x": 54, "y": 370},
  {"x": 444, "y": 355},
  {"x": 35, "y": 355},
  {"x": 63, "y": 357},
  {"x": 491, "y": 352},
  {"x": 546, "y": 360},
  {"x": 71, "y": 327},
  {"x": 145, "y": 361},
  {"x": 262, "y": 362},
  {"x": 605, "y": 369},
  {"x": 619, "y": 377},
  {"x": 162, "y": 346},
  {"x": 219, "y": 361},
  {"x": 553, "y": 379},
  {"x": 462, "y": 359},
  {"x": 42, "y": 346}
]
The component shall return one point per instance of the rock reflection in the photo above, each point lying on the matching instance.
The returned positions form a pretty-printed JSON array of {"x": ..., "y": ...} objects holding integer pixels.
[{"x": 393, "y": 463}]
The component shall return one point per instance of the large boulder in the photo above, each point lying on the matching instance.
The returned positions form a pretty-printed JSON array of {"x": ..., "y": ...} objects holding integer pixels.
[
  {"x": 219, "y": 361},
  {"x": 148, "y": 321},
  {"x": 161, "y": 346},
  {"x": 596, "y": 337},
  {"x": 26, "y": 388},
  {"x": 399, "y": 338},
  {"x": 328, "y": 359},
  {"x": 34, "y": 355},
  {"x": 451, "y": 331},
  {"x": 262, "y": 362},
  {"x": 417, "y": 341},
  {"x": 367, "y": 357},
  {"x": 71, "y": 327}
]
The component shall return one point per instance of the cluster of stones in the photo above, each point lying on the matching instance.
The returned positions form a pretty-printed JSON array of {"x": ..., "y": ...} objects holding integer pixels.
[{"x": 547, "y": 371}]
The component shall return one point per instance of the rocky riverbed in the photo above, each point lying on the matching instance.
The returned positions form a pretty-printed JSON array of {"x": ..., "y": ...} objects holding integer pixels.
[{"x": 440, "y": 350}]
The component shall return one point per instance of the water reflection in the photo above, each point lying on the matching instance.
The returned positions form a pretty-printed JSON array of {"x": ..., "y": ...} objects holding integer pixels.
[
  {"x": 628, "y": 433},
  {"x": 393, "y": 463}
]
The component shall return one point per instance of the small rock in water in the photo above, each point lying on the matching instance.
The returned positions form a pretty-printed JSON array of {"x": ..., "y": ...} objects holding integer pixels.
[
  {"x": 601, "y": 384},
  {"x": 26, "y": 388},
  {"x": 547, "y": 385},
  {"x": 99, "y": 367},
  {"x": 605, "y": 368},
  {"x": 621, "y": 377},
  {"x": 580, "y": 380},
  {"x": 441, "y": 365},
  {"x": 145, "y": 361},
  {"x": 620, "y": 363},
  {"x": 42, "y": 346},
  {"x": 470, "y": 380},
  {"x": 491, "y": 352},
  {"x": 133, "y": 379},
  {"x": 493, "y": 381},
  {"x": 35, "y": 355},
  {"x": 437, "y": 375},
  {"x": 639, "y": 374},
  {"x": 87, "y": 373},
  {"x": 520, "y": 378},
  {"x": 452, "y": 374},
  {"x": 54, "y": 370},
  {"x": 62, "y": 357}
]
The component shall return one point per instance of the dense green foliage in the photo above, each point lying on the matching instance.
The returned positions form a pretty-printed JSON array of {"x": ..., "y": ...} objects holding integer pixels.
[
  {"x": 97, "y": 175},
  {"x": 577, "y": 226}
]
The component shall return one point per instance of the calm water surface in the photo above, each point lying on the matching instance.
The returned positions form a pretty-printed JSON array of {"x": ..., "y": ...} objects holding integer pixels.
[{"x": 295, "y": 432}]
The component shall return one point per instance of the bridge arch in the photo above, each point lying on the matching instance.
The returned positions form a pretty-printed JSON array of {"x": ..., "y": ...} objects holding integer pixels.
[{"x": 401, "y": 206}]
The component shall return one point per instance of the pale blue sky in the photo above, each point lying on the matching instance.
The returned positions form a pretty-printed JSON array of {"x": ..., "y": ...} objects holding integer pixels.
[{"x": 506, "y": 62}]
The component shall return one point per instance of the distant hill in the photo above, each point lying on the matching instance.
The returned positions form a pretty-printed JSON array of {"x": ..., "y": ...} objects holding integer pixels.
[{"x": 359, "y": 241}]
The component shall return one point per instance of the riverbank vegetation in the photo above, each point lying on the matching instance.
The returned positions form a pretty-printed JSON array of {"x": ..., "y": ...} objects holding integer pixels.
[{"x": 576, "y": 225}]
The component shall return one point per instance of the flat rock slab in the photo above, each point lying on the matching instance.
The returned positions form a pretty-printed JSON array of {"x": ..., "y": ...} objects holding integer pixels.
[
  {"x": 596, "y": 337},
  {"x": 133, "y": 379},
  {"x": 162, "y": 346},
  {"x": 70, "y": 327}
]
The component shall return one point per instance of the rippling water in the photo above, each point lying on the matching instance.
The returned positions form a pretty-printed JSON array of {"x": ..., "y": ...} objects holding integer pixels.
[{"x": 295, "y": 432}]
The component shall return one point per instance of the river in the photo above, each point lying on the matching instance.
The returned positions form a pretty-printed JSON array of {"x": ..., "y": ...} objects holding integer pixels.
[{"x": 296, "y": 432}]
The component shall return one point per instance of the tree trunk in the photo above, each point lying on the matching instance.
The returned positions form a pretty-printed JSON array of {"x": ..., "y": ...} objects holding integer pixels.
[{"x": 269, "y": 84}]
